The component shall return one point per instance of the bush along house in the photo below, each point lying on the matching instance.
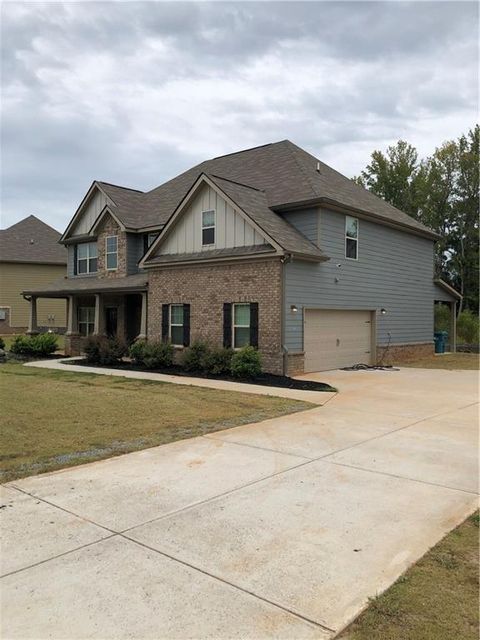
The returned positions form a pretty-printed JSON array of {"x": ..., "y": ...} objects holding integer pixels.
[{"x": 268, "y": 247}]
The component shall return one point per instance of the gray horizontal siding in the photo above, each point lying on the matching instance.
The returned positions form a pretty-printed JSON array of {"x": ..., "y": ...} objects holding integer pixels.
[
  {"x": 134, "y": 252},
  {"x": 306, "y": 221},
  {"x": 394, "y": 271}
]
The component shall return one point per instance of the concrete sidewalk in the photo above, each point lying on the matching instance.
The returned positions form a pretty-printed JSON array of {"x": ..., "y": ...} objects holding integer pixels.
[
  {"x": 281, "y": 529},
  {"x": 317, "y": 397}
]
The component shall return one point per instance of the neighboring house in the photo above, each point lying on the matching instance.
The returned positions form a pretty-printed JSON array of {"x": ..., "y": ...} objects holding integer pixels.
[
  {"x": 30, "y": 256},
  {"x": 268, "y": 247}
]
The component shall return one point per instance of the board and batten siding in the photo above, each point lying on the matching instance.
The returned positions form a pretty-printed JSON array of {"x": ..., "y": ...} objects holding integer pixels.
[
  {"x": 16, "y": 277},
  {"x": 394, "y": 271},
  {"x": 92, "y": 210},
  {"x": 231, "y": 228}
]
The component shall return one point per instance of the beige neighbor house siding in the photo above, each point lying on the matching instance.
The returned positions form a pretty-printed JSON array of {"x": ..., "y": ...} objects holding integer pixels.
[
  {"x": 231, "y": 228},
  {"x": 17, "y": 277},
  {"x": 207, "y": 287}
]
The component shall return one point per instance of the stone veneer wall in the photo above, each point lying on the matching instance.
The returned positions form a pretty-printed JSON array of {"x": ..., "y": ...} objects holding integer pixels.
[
  {"x": 109, "y": 227},
  {"x": 403, "y": 353},
  {"x": 207, "y": 287}
]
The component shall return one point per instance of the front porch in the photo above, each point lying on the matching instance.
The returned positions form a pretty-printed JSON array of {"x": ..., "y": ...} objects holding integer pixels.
[{"x": 108, "y": 307}]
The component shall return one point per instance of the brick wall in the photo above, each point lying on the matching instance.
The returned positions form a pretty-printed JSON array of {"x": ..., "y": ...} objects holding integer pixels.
[
  {"x": 109, "y": 227},
  {"x": 402, "y": 353},
  {"x": 207, "y": 287},
  {"x": 295, "y": 363}
]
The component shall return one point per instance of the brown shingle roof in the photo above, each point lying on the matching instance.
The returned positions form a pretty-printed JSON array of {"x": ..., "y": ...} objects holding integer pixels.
[
  {"x": 65, "y": 286},
  {"x": 31, "y": 240},
  {"x": 285, "y": 173}
]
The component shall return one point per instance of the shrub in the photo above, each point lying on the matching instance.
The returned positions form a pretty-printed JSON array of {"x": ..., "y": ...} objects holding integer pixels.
[
  {"x": 246, "y": 363},
  {"x": 156, "y": 355},
  {"x": 137, "y": 351},
  {"x": 103, "y": 350},
  {"x": 39, "y": 345},
  {"x": 442, "y": 317},
  {"x": 468, "y": 327},
  {"x": 195, "y": 356},
  {"x": 2, "y": 343},
  {"x": 218, "y": 361}
]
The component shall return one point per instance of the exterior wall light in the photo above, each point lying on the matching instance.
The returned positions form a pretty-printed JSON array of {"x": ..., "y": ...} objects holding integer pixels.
[
  {"x": 294, "y": 308},
  {"x": 383, "y": 311}
]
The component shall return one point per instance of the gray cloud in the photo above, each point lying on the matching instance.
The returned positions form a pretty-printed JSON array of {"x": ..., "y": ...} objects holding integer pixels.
[{"x": 134, "y": 93}]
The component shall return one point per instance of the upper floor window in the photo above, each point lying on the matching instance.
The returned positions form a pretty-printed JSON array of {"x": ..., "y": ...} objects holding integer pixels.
[
  {"x": 148, "y": 240},
  {"x": 208, "y": 227},
  {"x": 351, "y": 238},
  {"x": 111, "y": 252},
  {"x": 87, "y": 257}
]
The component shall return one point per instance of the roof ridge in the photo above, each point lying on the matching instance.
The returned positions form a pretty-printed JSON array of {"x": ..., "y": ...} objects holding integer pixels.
[
  {"x": 241, "y": 184},
  {"x": 295, "y": 149},
  {"x": 234, "y": 153}
]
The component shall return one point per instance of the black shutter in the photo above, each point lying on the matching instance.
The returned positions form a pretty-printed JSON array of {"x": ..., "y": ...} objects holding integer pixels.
[
  {"x": 75, "y": 255},
  {"x": 254, "y": 324},
  {"x": 165, "y": 321},
  {"x": 186, "y": 325},
  {"x": 227, "y": 325}
]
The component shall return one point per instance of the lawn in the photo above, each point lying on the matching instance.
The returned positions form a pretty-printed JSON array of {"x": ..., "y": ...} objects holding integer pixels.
[
  {"x": 436, "y": 599},
  {"x": 52, "y": 419},
  {"x": 446, "y": 361}
]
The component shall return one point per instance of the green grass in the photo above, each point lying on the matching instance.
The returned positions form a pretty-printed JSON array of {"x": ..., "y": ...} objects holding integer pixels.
[
  {"x": 449, "y": 361},
  {"x": 52, "y": 419},
  {"x": 436, "y": 599}
]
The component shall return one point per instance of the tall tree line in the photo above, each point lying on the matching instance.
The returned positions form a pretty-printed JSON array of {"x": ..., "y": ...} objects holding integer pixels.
[{"x": 442, "y": 191}]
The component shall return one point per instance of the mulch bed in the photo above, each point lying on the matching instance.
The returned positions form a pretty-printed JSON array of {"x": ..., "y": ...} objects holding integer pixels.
[{"x": 264, "y": 379}]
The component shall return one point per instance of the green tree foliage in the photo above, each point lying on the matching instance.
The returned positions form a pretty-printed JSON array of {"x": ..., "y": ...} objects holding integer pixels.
[{"x": 442, "y": 191}]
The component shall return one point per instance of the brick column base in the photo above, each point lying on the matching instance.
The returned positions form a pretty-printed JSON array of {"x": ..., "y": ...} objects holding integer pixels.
[{"x": 403, "y": 353}]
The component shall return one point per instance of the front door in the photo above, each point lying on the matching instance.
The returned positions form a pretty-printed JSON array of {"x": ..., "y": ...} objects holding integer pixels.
[{"x": 111, "y": 318}]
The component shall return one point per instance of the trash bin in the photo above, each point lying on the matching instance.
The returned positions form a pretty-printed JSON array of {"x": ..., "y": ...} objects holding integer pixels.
[{"x": 440, "y": 339}]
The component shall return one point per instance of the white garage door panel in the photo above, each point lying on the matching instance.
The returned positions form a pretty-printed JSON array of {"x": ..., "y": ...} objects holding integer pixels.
[{"x": 336, "y": 339}]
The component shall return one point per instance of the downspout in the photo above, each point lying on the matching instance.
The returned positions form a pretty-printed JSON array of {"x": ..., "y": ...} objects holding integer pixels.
[{"x": 285, "y": 259}]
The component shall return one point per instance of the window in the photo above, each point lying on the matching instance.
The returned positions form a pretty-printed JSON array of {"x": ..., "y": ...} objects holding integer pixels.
[
  {"x": 208, "y": 227},
  {"x": 87, "y": 257},
  {"x": 151, "y": 237},
  {"x": 351, "y": 238},
  {"x": 111, "y": 252},
  {"x": 176, "y": 324},
  {"x": 241, "y": 325},
  {"x": 86, "y": 320}
]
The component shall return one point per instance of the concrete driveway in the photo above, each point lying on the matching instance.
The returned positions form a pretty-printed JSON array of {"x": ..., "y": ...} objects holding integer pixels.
[{"x": 281, "y": 529}]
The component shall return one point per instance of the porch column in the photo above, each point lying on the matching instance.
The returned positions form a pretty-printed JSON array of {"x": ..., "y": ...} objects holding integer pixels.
[
  {"x": 99, "y": 329},
  {"x": 143, "y": 318},
  {"x": 32, "y": 321},
  {"x": 453, "y": 326},
  {"x": 72, "y": 321}
]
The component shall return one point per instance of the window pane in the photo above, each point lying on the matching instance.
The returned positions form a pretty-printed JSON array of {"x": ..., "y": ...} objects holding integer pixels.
[
  {"x": 242, "y": 314},
  {"x": 351, "y": 248},
  {"x": 176, "y": 314},
  {"x": 208, "y": 236},
  {"x": 82, "y": 314},
  {"x": 208, "y": 218},
  {"x": 111, "y": 244},
  {"x": 241, "y": 337},
  {"x": 151, "y": 237},
  {"x": 82, "y": 266},
  {"x": 92, "y": 265},
  {"x": 351, "y": 227},
  {"x": 111, "y": 260},
  {"x": 91, "y": 314},
  {"x": 177, "y": 335},
  {"x": 90, "y": 328},
  {"x": 92, "y": 249},
  {"x": 82, "y": 251}
]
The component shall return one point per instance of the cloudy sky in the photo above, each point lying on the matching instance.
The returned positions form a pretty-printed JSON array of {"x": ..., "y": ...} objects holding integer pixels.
[{"x": 134, "y": 93}]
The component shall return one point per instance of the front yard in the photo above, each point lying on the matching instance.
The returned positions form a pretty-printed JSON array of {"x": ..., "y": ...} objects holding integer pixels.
[{"x": 53, "y": 419}]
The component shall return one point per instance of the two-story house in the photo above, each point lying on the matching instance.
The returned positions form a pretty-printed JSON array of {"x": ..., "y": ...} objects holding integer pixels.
[{"x": 267, "y": 246}]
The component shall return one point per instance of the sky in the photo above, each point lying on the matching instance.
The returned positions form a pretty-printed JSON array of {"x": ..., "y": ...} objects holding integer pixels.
[{"x": 134, "y": 93}]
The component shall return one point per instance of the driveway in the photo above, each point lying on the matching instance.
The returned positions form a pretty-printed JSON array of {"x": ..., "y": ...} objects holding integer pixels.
[{"x": 281, "y": 529}]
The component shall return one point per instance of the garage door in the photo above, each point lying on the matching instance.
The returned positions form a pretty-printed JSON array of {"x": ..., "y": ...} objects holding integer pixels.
[{"x": 335, "y": 339}]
